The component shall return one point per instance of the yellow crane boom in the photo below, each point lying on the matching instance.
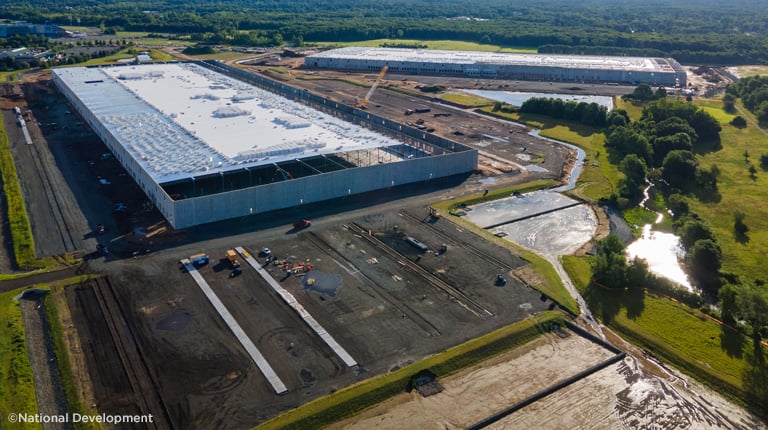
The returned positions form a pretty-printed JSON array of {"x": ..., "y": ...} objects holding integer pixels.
[{"x": 373, "y": 87}]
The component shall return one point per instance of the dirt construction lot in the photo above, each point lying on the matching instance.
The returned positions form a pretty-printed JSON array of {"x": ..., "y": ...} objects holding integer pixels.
[
  {"x": 152, "y": 342},
  {"x": 372, "y": 298},
  {"x": 629, "y": 394},
  {"x": 150, "y": 339}
]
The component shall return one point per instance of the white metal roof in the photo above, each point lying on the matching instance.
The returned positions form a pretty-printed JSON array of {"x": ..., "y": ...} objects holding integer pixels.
[
  {"x": 498, "y": 58},
  {"x": 179, "y": 120}
]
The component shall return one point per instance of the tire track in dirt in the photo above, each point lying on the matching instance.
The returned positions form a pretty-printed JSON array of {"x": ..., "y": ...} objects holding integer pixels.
[{"x": 42, "y": 358}]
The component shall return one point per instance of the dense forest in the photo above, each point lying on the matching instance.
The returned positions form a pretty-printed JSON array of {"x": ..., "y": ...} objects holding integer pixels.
[{"x": 695, "y": 31}]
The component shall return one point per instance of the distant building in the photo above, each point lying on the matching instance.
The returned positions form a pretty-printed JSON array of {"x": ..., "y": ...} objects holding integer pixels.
[
  {"x": 20, "y": 27},
  {"x": 26, "y": 54},
  {"x": 15, "y": 53},
  {"x": 498, "y": 65}
]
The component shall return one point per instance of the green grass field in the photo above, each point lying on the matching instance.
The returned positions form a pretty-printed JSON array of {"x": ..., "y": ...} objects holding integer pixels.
[
  {"x": 466, "y": 100},
  {"x": 598, "y": 177},
  {"x": 634, "y": 110},
  {"x": 721, "y": 357},
  {"x": 738, "y": 191},
  {"x": 17, "y": 391},
  {"x": 356, "y": 398},
  {"x": 685, "y": 337},
  {"x": 448, "y": 45}
]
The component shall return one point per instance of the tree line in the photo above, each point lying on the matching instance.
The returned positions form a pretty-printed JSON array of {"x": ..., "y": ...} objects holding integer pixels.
[{"x": 705, "y": 31}]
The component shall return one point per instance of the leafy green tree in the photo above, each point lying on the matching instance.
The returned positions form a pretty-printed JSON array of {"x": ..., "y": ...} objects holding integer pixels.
[
  {"x": 694, "y": 230},
  {"x": 739, "y": 226},
  {"x": 764, "y": 161},
  {"x": 626, "y": 140},
  {"x": 729, "y": 103},
  {"x": 739, "y": 122},
  {"x": 635, "y": 172},
  {"x": 728, "y": 308},
  {"x": 611, "y": 244},
  {"x": 752, "y": 302},
  {"x": 642, "y": 92},
  {"x": 664, "y": 145},
  {"x": 618, "y": 117},
  {"x": 707, "y": 179},
  {"x": 610, "y": 264},
  {"x": 673, "y": 125},
  {"x": 705, "y": 125},
  {"x": 762, "y": 112},
  {"x": 703, "y": 260},
  {"x": 678, "y": 205},
  {"x": 678, "y": 168}
]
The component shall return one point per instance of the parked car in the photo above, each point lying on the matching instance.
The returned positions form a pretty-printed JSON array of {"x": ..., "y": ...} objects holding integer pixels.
[{"x": 302, "y": 223}]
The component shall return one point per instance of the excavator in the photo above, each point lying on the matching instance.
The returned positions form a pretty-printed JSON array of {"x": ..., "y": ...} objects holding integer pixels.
[{"x": 361, "y": 104}]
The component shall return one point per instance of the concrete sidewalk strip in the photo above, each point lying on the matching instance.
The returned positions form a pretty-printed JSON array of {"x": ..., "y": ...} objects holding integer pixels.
[
  {"x": 292, "y": 302},
  {"x": 249, "y": 346}
]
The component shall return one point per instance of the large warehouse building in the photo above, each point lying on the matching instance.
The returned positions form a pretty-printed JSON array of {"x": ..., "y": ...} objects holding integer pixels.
[
  {"x": 497, "y": 65},
  {"x": 207, "y": 142}
]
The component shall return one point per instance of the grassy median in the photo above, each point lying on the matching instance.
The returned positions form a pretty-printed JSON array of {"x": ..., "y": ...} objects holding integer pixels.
[
  {"x": 21, "y": 231},
  {"x": 17, "y": 389}
]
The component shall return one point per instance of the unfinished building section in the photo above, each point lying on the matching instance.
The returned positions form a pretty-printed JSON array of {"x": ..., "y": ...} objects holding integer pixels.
[
  {"x": 207, "y": 142},
  {"x": 498, "y": 65}
]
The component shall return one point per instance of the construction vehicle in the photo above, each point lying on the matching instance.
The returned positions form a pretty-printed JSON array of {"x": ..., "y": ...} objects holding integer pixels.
[
  {"x": 232, "y": 257},
  {"x": 434, "y": 213},
  {"x": 198, "y": 260},
  {"x": 233, "y": 263},
  {"x": 361, "y": 104},
  {"x": 421, "y": 246}
]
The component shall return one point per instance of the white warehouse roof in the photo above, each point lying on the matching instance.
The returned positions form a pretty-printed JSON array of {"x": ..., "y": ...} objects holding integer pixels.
[
  {"x": 499, "y": 58},
  {"x": 179, "y": 120}
]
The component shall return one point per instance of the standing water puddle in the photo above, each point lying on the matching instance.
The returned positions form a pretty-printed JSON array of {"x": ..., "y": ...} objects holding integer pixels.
[
  {"x": 552, "y": 225},
  {"x": 662, "y": 251}
]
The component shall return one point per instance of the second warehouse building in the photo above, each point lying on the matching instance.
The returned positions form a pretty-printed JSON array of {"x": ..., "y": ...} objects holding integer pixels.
[{"x": 498, "y": 65}]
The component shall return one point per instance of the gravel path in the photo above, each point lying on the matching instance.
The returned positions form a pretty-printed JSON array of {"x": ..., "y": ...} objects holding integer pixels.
[{"x": 48, "y": 390}]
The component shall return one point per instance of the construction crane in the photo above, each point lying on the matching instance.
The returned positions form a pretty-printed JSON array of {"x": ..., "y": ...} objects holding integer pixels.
[{"x": 361, "y": 103}]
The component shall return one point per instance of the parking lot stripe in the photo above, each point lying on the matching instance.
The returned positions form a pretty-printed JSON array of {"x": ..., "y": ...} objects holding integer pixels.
[
  {"x": 303, "y": 313},
  {"x": 249, "y": 346}
]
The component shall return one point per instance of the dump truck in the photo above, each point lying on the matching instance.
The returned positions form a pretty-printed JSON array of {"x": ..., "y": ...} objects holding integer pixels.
[{"x": 232, "y": 257}]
